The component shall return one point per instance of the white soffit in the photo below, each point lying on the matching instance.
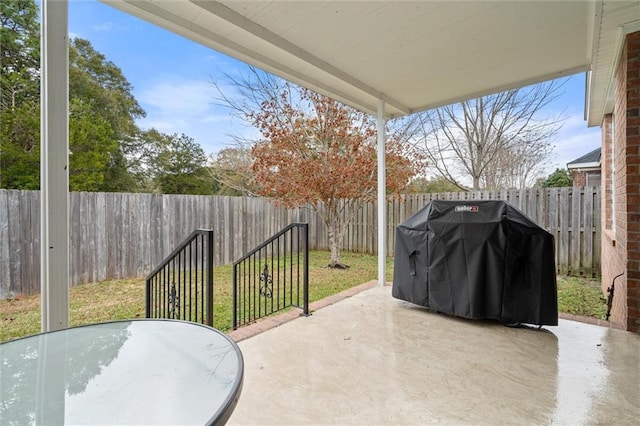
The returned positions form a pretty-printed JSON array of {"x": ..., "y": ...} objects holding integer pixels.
[
  {"x": 584, "y": 166},
  {"x": 614, "y": 20},
  {"x": 416, "y": 55}
]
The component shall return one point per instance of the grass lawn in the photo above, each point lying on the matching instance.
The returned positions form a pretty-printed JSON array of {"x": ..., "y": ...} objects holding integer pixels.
[
  {"x": 124, "y": 299},
  {"x": 582, "y": 297}
]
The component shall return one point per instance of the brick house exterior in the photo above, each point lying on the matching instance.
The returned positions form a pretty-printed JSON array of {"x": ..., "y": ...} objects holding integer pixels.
[
  {"x": 585, "y": 171},
  {"x": 620, "y": 163},
  {"x": 585, "y": 178}
]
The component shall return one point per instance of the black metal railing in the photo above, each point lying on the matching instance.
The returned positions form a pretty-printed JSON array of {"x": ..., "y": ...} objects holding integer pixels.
[
  {"x": 272, "y": 277},
  {"x": 181, "y": 287}
]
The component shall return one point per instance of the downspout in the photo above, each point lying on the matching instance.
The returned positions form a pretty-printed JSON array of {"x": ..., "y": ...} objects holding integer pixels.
[{"x": 610, "y": 290}]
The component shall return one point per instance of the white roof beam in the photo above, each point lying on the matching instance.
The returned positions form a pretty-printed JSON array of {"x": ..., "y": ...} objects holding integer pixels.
[
  {"x": 262, "y": 33},
  {"x": 166, "y": 19},
  {"x": 519, "y": 84}
]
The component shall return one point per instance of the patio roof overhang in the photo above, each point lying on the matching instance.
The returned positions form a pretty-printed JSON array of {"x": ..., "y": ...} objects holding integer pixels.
[{"x": 414, "y": 55}]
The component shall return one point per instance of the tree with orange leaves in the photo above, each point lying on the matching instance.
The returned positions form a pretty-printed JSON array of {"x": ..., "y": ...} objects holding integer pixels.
[{"x": 322, "y": 153}]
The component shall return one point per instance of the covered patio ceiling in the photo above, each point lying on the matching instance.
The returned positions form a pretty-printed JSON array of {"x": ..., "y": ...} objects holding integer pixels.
[{"x": 414, "y": 55}]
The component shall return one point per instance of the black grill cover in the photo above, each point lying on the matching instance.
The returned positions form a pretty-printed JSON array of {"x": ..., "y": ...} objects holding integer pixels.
[{"x": 477, "y": 259}]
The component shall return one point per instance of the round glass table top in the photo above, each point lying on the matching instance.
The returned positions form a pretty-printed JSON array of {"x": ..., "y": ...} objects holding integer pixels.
[{"x": 124, "y": 372}]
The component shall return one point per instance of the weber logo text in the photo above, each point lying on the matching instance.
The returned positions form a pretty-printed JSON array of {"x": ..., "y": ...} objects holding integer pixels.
[{"x": 472, "y": 209}]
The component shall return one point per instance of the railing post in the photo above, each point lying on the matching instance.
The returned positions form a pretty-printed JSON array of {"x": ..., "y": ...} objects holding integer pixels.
[
  {"x": 305, "y": 310},
  {"x": 253, "y": 267},
  {"x": 235, "y": 297},
  {"x": 147, "y": 296},
  {"x": 210, "y": 278}
]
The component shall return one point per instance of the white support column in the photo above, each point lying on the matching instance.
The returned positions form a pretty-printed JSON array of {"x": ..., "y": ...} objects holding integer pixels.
[
  {"x": 54, "y": 159},
  {"x": 382, "y": 197}
]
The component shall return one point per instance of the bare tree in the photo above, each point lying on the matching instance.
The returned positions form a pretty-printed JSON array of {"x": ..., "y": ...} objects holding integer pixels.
[
  {"x": 248, "y": 92},
  {"x": 494, "y": 141},
  {"x": 518, "y": 166}
]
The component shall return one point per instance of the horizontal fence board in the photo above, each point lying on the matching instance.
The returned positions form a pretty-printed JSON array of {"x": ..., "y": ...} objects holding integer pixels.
[{"x": 120, "y": 235}]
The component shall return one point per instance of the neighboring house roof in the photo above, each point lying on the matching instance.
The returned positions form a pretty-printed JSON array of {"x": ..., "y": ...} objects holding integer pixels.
[{"x": 591, "y": 159}]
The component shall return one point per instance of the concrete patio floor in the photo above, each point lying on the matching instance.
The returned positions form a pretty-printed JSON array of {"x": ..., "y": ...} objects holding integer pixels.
[{"x": 371, "y": 359}]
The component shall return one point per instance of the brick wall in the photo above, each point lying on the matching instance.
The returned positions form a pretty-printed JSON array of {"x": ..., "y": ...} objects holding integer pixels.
[
  {"x": 612, "y": 254},
  {"x": 579, "y": 177},
  {"x": 621, "y": 238},
  {"x": 613, "y": 250},
  {"x": 607, "y": 176},
  {"x": 632, "y": 154},
  {"x": 589, "y": 177}
]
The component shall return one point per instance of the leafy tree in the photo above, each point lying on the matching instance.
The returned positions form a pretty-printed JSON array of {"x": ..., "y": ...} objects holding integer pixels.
[
  {"x": 103, "y": 90},
  {"x": 91, "y": 145},
  {"x": 231, "y": 170},
  {"x": 322, "y": 153},
  {"x": 20, "y": 147},
  {"x": 495, "y": 141},
  {"x": 19, "y": 95},
  {"x": 20, "y": 53},
  {"x": 559, "y": 178},
  {"x": 314, "y": 151},
  {"x": 103, "y": 135},
  {"x": 141, "y": 153},
  {"x": 101, "y": 84},
  {"x": 180, "y": 167}
]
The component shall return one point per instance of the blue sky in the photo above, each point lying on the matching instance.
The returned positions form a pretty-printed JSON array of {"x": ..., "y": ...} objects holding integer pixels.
[{"x": 172, "y": 80}]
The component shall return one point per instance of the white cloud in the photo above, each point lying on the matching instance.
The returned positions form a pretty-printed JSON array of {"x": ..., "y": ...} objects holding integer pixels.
[
  {"x": 574, "y": 122},
  {"x": 163, "y": 126},
  {"x": 179, "y": 96},
  {"x": 178, "y": 105},
  {"x": 574, "y": 140},
  {"x": 109, "y": 26},
  {"x": 216, "y": 119}
]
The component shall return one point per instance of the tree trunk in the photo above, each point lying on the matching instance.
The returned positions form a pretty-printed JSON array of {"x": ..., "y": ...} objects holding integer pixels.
[
  {"x": 334, "y": 246},
  {"x": 476, "y": 183}
]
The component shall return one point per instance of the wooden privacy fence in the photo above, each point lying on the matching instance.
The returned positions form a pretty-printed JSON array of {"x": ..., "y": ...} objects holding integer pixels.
[
  {"x": 571, "y": 215},
  {"x": 119, "y": 235},
  {"x": 115, "y": 235}
]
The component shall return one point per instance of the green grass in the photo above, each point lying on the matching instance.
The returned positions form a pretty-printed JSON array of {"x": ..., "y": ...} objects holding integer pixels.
[
  {"x": 88, "y": 303},
  {"x": 124, "y": 299},
  {"x": 582, "y": 297}
]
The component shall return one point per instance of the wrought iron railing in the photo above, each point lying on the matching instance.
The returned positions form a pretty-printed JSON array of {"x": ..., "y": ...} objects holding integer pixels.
[
  {"x": 181, "y": 287},
  {"x": 272, "y": 277}
]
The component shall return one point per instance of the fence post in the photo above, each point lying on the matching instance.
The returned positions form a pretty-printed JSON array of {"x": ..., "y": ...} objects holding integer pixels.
[{"x": 210, "y": 278}]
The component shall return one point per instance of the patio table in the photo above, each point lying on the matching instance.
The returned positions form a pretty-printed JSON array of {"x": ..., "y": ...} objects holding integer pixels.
[{"x": 122, "y": 372}]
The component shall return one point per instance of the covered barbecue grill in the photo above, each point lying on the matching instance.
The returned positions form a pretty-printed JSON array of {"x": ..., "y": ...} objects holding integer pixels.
[{"x": 477, "y": 259}]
